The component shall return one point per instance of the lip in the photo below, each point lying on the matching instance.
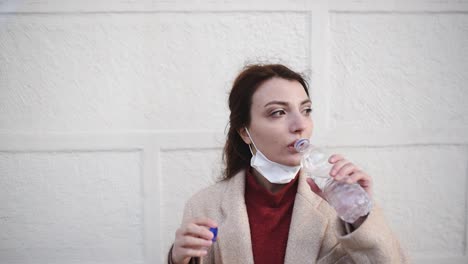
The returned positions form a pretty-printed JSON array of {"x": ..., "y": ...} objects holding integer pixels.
[
  {"x": 291, "y": 146},
  {"x": 292, "y": 143}
]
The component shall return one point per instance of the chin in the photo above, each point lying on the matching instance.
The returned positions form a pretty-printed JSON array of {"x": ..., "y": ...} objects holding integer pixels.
[
  {"x": 289, "y": 160},
  {"x": 292, "y": 163}
]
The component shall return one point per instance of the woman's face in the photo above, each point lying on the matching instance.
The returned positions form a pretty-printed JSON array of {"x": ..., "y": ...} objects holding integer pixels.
[{"x": 279, "y": 115}]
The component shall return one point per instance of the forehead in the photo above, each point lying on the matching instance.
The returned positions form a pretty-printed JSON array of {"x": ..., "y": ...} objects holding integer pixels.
[{"x": 277, "y": 89}]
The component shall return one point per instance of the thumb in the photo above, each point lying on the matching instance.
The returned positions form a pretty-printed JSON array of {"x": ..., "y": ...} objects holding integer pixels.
[{"x": 315, "y": 188}]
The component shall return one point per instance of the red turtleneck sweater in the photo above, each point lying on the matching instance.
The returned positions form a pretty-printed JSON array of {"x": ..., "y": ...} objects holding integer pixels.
[{"x": 269, "y": 219}]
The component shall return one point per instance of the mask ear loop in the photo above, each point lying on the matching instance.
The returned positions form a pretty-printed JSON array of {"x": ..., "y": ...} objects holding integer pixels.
[{"x": 250, "y": 147}]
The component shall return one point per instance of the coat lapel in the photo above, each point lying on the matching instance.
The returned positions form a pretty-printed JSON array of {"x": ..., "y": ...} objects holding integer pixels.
[
  {"x": 306, "y": 223},
  {"x": 234, "y": 232}
]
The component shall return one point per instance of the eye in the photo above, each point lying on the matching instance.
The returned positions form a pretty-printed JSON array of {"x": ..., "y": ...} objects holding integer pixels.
[
  {"x": 277, "y": 113},
  {"x": 308, "y": 110}
]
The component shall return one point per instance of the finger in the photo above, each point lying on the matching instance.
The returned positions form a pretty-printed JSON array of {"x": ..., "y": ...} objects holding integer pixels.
[
  {"x": 197, "y": 230},
  {"x": 205, "y": 221},
  {"x": 346, "y": 170},
  {"x": 193, "y": 242},
  {"x": 314, "y": 187},
  {"x": 337, "y": 166},
  {"x": 192, "y": 252},
  {"x": 334, "y": 158},
  {"x": 361, "y": 178}
]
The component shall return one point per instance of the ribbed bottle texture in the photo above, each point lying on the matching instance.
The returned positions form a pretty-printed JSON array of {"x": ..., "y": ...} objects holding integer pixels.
[{"x": 349, "y": 200}]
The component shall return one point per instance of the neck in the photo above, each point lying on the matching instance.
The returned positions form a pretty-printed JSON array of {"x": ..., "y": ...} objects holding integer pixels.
[{"x": 272, "y": 187}]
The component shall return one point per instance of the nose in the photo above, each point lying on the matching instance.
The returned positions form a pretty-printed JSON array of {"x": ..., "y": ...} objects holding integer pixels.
[{"x": 299, "y": 123}]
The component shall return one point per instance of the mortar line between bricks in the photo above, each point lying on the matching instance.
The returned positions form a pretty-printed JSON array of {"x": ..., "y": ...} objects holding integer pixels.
[
  {"x": 465, "y": 240},
  {"x": 158, "y": 172},
  {"x": 153, "y": 12},
  {"x": 73, "y": 150},
  {"x": 309, "y": 44},
  {"x": 141, "y": 167},
  {"x": 343, "y": 146},
  {"x": 417, "y": 12},
  {"x": 409, "y": 12}
]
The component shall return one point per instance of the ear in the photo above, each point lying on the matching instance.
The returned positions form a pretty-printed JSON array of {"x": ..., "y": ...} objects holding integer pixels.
[{"x": 245, "y": 137}]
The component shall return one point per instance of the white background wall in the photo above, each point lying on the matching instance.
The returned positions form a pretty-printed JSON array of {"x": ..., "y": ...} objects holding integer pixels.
[{"x": 112, "y": 113}]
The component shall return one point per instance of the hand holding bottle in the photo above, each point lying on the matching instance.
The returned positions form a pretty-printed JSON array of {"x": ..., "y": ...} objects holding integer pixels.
[
  {"x": 344, "y": 171},
  {"x": 338, "y": 181}
]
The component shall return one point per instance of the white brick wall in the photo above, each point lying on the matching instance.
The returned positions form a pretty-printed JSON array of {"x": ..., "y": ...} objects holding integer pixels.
[
  {"x": 62, "y": 206},
  {"x": 112, "y": 113}
]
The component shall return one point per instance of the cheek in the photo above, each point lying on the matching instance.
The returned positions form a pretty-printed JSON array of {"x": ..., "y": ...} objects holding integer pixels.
[
  {"x": 311, "y": 127},
  {"x": 271, "y": 141}
]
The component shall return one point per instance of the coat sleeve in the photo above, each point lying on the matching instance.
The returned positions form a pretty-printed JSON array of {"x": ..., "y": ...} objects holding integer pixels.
[{"x": 372, "y": 242}]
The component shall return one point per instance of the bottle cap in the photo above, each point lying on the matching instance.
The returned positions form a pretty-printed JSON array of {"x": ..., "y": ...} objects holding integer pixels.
[
  {"x": 302, "y": 144},
  {"x": 214, "y": 230}
]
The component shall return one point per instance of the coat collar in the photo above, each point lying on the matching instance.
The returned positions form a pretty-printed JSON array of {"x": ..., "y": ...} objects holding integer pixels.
[
  {"x": 307, "y": 226},
  {"x": 306, "y": 223}
]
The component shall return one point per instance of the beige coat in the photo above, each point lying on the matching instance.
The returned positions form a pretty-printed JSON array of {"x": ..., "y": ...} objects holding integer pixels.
[{"x": 316, "y": 235}]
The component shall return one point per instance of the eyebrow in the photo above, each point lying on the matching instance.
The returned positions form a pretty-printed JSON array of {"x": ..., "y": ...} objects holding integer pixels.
[{"x": 285, "y": 103}]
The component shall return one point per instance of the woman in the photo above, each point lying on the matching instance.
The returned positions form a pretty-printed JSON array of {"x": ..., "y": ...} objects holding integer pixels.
[{"x": 264, "y": 209}]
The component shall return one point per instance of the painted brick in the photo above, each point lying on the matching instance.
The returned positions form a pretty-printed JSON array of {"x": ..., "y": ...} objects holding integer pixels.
[
  {"x": 66, "y": 206},
  {"x": 135, "y": 71},
  {"x": 398, "y": 70}
]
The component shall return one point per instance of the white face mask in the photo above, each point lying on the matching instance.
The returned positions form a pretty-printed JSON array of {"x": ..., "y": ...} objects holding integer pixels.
[{"x": 272, "y": 171}]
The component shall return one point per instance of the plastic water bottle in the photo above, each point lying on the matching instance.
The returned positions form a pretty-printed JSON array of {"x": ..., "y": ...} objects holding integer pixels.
[{"x": 349, "y": 200}]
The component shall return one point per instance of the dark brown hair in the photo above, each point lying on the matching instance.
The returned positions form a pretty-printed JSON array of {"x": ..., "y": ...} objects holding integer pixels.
[{"x": 236, "y": 154}]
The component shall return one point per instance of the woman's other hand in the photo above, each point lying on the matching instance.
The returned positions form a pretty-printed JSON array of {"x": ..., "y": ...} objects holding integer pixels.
[{"x": 192, "y": 240}]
